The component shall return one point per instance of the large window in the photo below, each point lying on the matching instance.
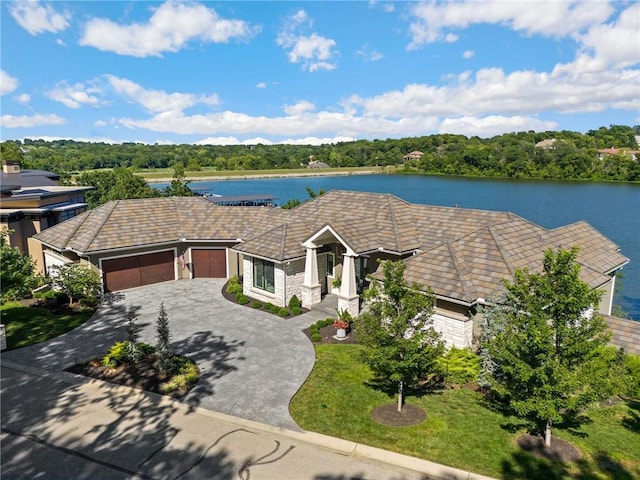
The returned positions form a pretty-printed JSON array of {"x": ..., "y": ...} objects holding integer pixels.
[{"x": 263, "y": 276}]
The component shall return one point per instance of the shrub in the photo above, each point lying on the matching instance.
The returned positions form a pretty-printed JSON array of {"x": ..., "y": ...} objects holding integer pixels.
[
  {"x": 242, "y": 300},
  {"x": 256, "y": 304},
  {"x": 284, "y": 312},
  {"x": 632, "y": 364},
  {"x": 296, "y": 310},
  {"x": 326, "y": 322},
  {"x": 46, "y": 295},
  {"x": 274, "y": 309},
  {"x": 233, "y": 286},
  {"x": 268, "y": 306},
  {"x": 460, "y": 366},
  {"x": 316, "y": 337},
  {"x": 294, "y": 303},
  {"x": 187, "y": 375},
  {"x": 116, "y": 355}
]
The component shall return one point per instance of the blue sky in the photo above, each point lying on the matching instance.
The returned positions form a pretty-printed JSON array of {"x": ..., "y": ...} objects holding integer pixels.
[{"x": 314, "y": 72}]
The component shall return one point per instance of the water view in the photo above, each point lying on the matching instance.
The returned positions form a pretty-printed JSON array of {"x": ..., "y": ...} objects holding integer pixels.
[{"x": 613, "y": 209}]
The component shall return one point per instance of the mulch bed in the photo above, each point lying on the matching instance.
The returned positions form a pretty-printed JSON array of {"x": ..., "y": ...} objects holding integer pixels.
[
  {"x": 143, "y": 375},
  {"x": 388, "y": 415},
  {"x": 329, "y": 333},
  {"x": 559, "y": 451}
]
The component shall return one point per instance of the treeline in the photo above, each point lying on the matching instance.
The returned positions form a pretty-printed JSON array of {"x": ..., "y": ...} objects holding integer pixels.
[{"x": 573, "y": 155}]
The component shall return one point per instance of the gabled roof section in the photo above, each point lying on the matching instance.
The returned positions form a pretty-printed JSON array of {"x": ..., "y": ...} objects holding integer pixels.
[{"x": 281, "y": 243}]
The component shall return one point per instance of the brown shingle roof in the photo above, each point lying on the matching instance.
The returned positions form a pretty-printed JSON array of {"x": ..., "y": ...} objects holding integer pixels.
[{"x": 460, "y": 253}]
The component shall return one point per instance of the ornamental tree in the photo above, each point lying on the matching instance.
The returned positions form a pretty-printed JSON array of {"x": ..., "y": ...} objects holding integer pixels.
[
  {"x": 163, "y": 342},
  {"x": 79, "y": 282},
  {"x": 542, "y": 341},
  {"x": 401, "y": 346}
]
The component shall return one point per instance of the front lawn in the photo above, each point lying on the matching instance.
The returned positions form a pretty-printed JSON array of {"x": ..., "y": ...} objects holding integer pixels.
[
  {"x": 28, "y": 325},
  {"x": 460, "y": 430}
]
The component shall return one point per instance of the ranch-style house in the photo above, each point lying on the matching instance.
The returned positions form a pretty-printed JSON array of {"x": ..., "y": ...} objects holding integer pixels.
[{"x": 327, "y": 245}]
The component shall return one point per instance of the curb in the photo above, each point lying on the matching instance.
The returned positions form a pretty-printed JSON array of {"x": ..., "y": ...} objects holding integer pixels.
[{"x": 326, "y": 442}]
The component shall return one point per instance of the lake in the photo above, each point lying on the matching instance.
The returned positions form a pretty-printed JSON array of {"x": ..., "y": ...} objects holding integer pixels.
[{"x": 612, "y": 208}]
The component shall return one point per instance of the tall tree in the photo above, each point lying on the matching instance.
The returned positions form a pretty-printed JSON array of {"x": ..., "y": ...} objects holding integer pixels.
[
  {"x": 17, "y": 275},
  {"x": 116, "y": 184},
  {"x": 179, "y": 186},
  {"x": 541, "y": 342},
  {"x": 401, "y": 346},
  {"x": 163, "y": 342}
]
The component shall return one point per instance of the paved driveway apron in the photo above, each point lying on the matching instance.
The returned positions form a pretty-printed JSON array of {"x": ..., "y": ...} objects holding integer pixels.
[{"x": 251, "y": 362}]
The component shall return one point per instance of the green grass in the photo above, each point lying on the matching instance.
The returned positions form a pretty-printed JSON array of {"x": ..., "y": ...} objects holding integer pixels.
[
  {"x": 28, "y": 325},
  {"x": 460, "y": 430},
  {"x": 212, "y": 172}
]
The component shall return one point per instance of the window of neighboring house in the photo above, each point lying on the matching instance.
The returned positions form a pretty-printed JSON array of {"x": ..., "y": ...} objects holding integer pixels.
[
  {"x": 331, "y": 262},
  {"x": 263, "y": 275}
]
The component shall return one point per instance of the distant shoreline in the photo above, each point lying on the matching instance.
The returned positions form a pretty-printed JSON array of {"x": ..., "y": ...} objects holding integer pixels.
[{"x": 217, "y": 178}]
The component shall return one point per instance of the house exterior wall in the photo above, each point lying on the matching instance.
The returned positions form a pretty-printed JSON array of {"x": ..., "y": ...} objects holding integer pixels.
[
  {"x": 454, "y": 323},
  {"x": 23, "y": 229},
  {"x": 606, "y": 302},
  {"x": 294, "y": 278}
]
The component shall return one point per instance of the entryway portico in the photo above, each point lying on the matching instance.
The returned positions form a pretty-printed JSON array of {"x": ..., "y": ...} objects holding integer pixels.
[{"x": 348, "y": 298}]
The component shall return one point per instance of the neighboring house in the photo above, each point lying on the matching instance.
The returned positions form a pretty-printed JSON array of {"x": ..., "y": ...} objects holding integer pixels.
[
  {"x": 32, "y": 200},
  {"x": 415, "y": 155},
  {"x": 633, "y": 154},
  {"x": 461, "y": 254},
  {"x": 548, "y": 144},
  {"x": 316, "y": 164}
]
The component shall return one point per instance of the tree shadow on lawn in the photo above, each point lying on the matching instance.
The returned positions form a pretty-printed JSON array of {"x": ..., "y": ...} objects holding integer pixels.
[
  {"x": 525, "y": 466},
  {"x": 632, "y": 422}
]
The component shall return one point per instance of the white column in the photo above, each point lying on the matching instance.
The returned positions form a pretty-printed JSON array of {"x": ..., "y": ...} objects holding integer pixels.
[
  {"x": 348, "y": 298},
  {"x": 311, "y": 289}
]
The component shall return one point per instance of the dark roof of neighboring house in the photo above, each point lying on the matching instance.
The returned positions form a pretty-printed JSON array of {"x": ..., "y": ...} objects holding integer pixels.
[
  {"x": 30, "y": 178},
  {"x": 461, "y": 253}
]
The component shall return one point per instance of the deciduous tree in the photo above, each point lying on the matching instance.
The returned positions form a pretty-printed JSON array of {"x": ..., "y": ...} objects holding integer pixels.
[
  {"x": 401, "y": 346},
  {"x": 78, "y": 282},
  {"x": 17, "y": 275},
  {"x": 541, "y": 342}
]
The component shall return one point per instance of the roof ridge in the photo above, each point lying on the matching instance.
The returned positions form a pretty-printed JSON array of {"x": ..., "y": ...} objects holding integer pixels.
[
  {"x": 460, "y": 267},
  {"x": 394, "y": 224},
  {"x": 283, "y": 239},
  {"x": 107, "y": 217},
  {"x": 503, "y": 254}
]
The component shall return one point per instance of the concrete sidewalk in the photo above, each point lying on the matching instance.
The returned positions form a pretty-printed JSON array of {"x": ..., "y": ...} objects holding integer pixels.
[{"x": 58, "y": 425}]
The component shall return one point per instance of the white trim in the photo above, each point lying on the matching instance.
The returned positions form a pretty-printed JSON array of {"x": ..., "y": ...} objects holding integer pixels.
[
  {"x": 175, "y": 261},
  {"x": 309, "y": 243}
]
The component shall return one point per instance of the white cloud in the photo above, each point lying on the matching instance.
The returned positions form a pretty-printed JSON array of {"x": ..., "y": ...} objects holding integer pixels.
[
  {"x": 171, "y": 27},
  {"x": 25, "y": 121},
  {"x": 22, "y": 98},
  {"x": 493, "y": 125},
  {"x": 314, "y": 51},
  {"x": 468, "y": 54},
  {"x": 99, "y": 123},
  {"x": 261, "y": 85},
  {"x": 264, "y": 141},
  {"x": 299, "y": 108},
  {"x": 158, "y": 100},
  {"x": 36, "y": 18},
  {"x": 7, "y": 83},
  {"x": 74, "y": 96},
  {"x": 432, "y": 20},
  {"x": 369, "y": 55}
]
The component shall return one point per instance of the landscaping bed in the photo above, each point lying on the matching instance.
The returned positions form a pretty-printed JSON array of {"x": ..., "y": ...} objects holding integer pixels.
[
  {"x": 143, "y": 375},
  {"x": 232, "y": 291}
]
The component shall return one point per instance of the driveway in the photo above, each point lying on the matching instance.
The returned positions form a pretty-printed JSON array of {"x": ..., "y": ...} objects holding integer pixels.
[{"x": 251, "y": 362}]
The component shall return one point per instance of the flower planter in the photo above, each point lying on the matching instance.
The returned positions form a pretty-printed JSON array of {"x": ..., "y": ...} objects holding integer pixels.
[{"x": 341, "y": 333}]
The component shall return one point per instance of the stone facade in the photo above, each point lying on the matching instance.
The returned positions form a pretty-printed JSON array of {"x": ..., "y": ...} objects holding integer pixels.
[
  {"x": 294, "y": 274},
  {"x": 456, "y": 332}
]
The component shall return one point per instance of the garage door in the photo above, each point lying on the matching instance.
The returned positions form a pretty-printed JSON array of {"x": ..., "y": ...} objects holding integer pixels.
[
  {"x": 138, "y": 270},
  {"x": 209, "y": 263}
]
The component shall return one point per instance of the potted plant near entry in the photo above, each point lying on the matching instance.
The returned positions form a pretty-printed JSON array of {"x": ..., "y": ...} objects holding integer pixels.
[
  {"x": 342, "y": 323},
  {"x": 336, "y": 284}
]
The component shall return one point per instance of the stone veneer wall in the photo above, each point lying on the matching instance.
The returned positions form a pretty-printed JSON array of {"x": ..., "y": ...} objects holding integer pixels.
[
  {"x": 455, "y": 332},
  {"x": 294, "y": 272}
]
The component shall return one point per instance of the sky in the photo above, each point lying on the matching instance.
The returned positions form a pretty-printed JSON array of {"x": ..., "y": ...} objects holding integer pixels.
[{"x": 306, "y": 72}]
